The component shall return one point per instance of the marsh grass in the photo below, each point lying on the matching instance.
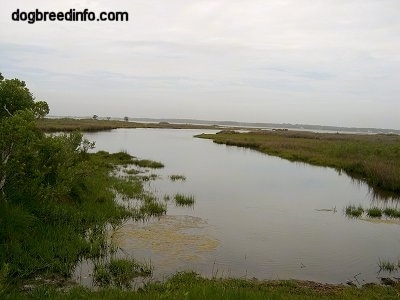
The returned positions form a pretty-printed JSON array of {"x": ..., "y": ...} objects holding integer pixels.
[
  {"x": 385, "y": 265},
  {"x": 391, "y": 212},
  {"x": 128, "y": 188},
  {"x": 153, "y": 208},
  {"x": 120, "y": 272},
  {"x": 146, "y": 163},
  {"x": 90, "y": 125},
  {"x": 191, "y": 286},
  {"x": 183, "y": 200},
  {"x": 373, "y": 158},
  {"x": 374, "y": 212},
  {"x": 177, "y": 177},
  {"x": 148, "y": 177},
  {"x": 353, "y": 211},
  {"x": 48, "y": 237},
  {"x": 132, "y": 172}
]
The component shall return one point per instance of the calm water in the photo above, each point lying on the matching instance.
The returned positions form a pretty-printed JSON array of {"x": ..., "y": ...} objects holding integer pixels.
[{"x": 254, "y": 216}]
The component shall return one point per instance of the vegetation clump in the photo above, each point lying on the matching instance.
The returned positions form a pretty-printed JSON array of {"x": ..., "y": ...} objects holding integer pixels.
[
  {"x": 56, "y": 198},
  {"x": 183, "y": 200},
  {"x": 388, "y": 266},
  {"x": 177, "y": 177},
  {"x": 391, "y": 212},
  {"x": 120, "y": 272},
  {"x": 374, "y": 212},
  {"x": 353, "y": 211},
  {"x": 145, "y": 163},
  {"x": 189, "y": 285},
  {"x": 373, "y": 158}
]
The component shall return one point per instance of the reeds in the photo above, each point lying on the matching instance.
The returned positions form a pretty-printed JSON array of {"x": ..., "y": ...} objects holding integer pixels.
[
  {"x": 145, "y": 163},
  {"x": 177, "y": 177},
  {"x": 120, "y": 272},
  {"x": 353, "y": 211},
  {"x": 184, "y": 200},
  {"x": 372, "y": 158},
  {"x": 373, "y": 212}
]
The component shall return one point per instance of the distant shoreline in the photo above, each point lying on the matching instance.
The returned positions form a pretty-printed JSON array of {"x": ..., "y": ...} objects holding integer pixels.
[{"x": 244, "y": 125}]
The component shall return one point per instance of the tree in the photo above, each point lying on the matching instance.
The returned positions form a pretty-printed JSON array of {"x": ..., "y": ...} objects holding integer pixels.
[
  {"x": 32, "y": 165},
  {"x": 41, "y": 109},
  {"x": 95, "y": 117},
  {"x": 14, "y": 96},
  {"x": 126, "y": 119}
]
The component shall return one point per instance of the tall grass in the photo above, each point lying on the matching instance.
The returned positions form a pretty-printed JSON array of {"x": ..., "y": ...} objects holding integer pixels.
[
  {"x": 48, "y": 237},
  {"x": 373, "y": 158},
  {"x": 145, "y": 163},
  {"x": 183, "y": 200},
  {"x": 88, "y": 125},
  {"x": 353, "y": 211},
  {"x": 120, "y": 272},
  {"x": 191, "y": 286},
  {"x": 177, "y": 177},
  {"x": 374, "y": 212}
]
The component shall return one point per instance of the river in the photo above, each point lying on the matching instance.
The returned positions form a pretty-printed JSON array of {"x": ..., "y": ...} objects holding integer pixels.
[{"x": 254, "y": 215}]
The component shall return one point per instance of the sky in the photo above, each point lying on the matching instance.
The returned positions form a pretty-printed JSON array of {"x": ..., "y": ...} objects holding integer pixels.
[{"x": 327, "y": 62}]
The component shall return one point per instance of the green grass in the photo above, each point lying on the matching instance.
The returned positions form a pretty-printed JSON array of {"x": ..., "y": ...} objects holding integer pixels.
[
  {"x": 88, "y": 125},
  {"x": 183, "y": 200},
  {"x": 391, "y": 212},
  {"x": 374, "y": 212},
  {"x": 153, "y": 208},
  {"x": 387, "y": 266},
  {"x": 145, "y": 163},
  {"x": 148, "y": 177},
  {"x": 353, "y": 211},
  {"x": 191, "y": 286},
  {"x": 47, "y": 237},
  {"x": 372, "y": 158},
  {"x": 120, "y": 272},
  {"x": 177, "y": 177}
]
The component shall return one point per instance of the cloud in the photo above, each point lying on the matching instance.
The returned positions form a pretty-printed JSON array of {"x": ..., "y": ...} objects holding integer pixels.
[{"x": 322, "y": 59}]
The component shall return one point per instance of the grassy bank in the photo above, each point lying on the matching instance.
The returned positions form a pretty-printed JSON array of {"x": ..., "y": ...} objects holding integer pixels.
[
  {"x": 44, "y": 238},
  {"x": 373, "y": 158},
  {"x": 191, "y": 286},
  {"x": 87, "y": 125}
]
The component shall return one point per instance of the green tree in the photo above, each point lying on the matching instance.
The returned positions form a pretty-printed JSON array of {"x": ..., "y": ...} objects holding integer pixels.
[
  {"x": 33, "y": 165},
  {"x": 41, "y": 109},
  {"x": 14, "y": 96}
]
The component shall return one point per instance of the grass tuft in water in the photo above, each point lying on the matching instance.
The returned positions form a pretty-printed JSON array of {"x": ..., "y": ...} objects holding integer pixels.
[
  {"x": 391, "y": 212},
  {"x": 177, "y": 177},
  {"x": 146, "y": 163},
  {"x": 151, "y": 207},
  {"x": 148, "y": 177},
  {"x": 385, "y": 265},
  {"x": 353, "y": 211},
  {"x": 120, "y": 272},
  {"x": 374, "y": 212},
  {"x": 183, "y": 200}
]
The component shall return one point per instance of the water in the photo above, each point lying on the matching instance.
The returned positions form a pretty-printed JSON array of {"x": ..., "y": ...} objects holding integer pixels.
[{"x": 255, "y": 215}]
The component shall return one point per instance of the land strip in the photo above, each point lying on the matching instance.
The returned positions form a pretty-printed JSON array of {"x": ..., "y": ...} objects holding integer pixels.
[
  {"x": 371, "y": 158},
  {"x": 86, "y": 125}
]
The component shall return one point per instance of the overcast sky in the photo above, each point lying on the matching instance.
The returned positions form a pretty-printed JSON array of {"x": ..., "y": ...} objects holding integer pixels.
[{"x": 329, "y": 62}]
